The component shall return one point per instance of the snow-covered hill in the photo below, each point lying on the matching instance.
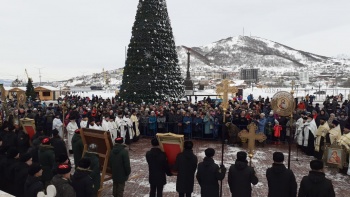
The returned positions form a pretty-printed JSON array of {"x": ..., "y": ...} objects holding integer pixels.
[
  {"x": 244, "y": 51},
  {"x": 231, "y": 55}
]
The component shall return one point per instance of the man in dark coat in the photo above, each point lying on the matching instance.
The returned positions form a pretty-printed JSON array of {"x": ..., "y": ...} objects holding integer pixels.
[
  {"x": 21, "y": 173},
  {"x": 316, "y": 184},
  {"x": 8, "y": 170},
  {"x": 48, "y": 123},
  {"x": 186, "y": 165},
  {"x": 77, "y": 146},
  {"x": 33, "y": 184},
  {"x": 58, "y": 144},
  {"x": 46, "y": 160},
  {"x": 39, "y": 132},
  {"x": 92, "y": 155},
  {"x": 22, "y": 141},
  {"x": 281, "y": 181},
  {"x": 208, "y": 175},
  {"x": 158, "y": 167},
  {"x": 62, "y": 181},
  {"x": 120, "y": 165},
  {"x": 241, "y": 176},
  {"x": 61, "y": 159},
  {"x": 2, "y": 163},
  {"x": 9, "y": 137},
  {"x": 81, "y": 180}
]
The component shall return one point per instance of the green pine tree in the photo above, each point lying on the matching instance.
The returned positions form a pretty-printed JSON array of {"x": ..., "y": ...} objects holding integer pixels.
[
  {"x": 30, "y": 92},
  {"x": 151, "y": 71}
]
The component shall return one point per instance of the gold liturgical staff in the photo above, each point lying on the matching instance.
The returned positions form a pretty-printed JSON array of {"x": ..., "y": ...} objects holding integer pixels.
[
  {"x": 251, "y": 136},
  {"x": 225, "y": 88}
]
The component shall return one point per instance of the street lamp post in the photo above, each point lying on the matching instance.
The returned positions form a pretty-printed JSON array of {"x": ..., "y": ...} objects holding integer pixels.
[{"x": 319, "y": 91}]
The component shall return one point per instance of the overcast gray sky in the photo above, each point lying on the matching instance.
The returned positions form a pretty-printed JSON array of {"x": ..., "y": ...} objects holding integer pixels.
[{"x": 68, "y": 38}]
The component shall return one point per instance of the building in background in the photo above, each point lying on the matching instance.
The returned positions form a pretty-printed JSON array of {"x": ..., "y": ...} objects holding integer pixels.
[
  {"x": 47, "y": 93},
  {"x": 304, "y": 77},
  {"x": 250, "y": 75}
]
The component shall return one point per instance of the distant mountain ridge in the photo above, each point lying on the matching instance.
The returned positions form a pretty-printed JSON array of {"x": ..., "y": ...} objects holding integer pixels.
[
  {"x": 6, "y": 82},
  {"x": 230, "y": 55},
  {"x": 249, "y": 51}
]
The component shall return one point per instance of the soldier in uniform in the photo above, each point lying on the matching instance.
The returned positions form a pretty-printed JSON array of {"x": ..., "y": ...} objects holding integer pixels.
[
  {"x": 46, "y": 159},
  {"x": 21, "y": 173},
  {"x": 92, "y": 155},
  {"x": 77, "y": 146},
  {"x": 81, "y": 180},
  {"x": 33, "y": 183},
  {"x": 120, "y": 164}
]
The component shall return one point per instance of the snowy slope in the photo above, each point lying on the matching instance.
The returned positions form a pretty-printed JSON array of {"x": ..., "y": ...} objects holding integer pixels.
[
  {"x": 253, "y": 52},
  {"x": 231, "y": 55}
]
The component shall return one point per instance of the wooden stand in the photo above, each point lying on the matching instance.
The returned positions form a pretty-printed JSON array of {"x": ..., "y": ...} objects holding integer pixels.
[{"x": 104, "y": 143}]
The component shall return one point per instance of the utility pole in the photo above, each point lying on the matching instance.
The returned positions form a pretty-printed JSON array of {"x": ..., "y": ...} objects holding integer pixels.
[{"x": 40, "y": 75}]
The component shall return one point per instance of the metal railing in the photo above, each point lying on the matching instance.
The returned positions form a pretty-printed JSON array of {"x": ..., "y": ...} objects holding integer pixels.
[{"x": 192, "y": 130}]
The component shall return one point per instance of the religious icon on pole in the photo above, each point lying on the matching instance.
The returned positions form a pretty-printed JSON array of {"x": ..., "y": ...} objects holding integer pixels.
[
  {"x": 283, "y": 103},
  {"x": 251, "y": 136}
]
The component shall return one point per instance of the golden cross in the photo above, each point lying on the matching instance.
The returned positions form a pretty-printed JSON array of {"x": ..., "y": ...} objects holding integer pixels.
[
  {"x": 225, "y": 88},
  {"x": 292, "y": 92},
  {"x": 251, "y": 136},
  {"x": 293, "y": 84}
]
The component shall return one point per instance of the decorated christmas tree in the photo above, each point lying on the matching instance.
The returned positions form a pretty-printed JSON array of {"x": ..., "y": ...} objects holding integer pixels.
[
  {"x": 30, "y": 92},
  {"x": 151, "y": 70}
]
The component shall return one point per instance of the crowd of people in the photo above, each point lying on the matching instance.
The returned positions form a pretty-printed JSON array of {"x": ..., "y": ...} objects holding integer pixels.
[
  {"x": 30, "y": 164},
  {"x": 241, "y": 176}
]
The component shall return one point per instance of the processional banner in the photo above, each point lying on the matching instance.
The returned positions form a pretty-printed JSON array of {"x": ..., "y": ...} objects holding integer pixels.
[
  {"x": 172, "y": 144},
  {"x": 28, "y": 126}
]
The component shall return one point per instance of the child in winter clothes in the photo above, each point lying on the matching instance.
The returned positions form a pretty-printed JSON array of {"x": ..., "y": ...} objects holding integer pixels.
[{"x": 277, "y": 132}]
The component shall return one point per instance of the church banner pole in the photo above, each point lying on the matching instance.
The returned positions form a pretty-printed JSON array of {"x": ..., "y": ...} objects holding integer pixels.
[
  {"x": 291, "y": 125},
  {"x": 224, "y": 87},
  {"x": 290, "y": 140},
  {"x": 223, "y": 139},
  {"x": 222, "y": 148}
]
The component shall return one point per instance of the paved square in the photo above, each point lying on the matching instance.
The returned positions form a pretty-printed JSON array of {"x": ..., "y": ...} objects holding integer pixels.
[{"x": 138, "y": 185}]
